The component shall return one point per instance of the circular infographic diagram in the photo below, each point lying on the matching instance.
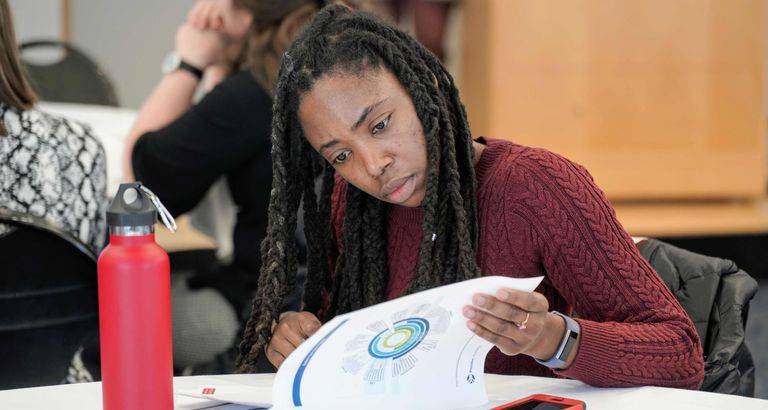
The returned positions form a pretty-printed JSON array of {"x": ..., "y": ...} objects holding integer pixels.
[
  {"x": 404, "y": 337},
  {"x": 397, "y": 345}
]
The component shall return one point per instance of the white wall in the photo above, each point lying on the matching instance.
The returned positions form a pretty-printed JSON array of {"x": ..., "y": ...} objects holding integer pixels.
[
  {"x": 128, "y": 39},
  {"x": 36, "y": 19}
]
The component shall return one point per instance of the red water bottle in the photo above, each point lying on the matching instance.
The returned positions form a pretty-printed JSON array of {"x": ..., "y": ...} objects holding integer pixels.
[{"x": 135, "y": 306}]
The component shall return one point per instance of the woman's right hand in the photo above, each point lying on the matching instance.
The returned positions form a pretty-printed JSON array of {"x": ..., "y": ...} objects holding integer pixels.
[
  {"x": 213, "y": 38},
  {"x": 289, "y": 333},
  {"x": 206, "y": 15},
  {"x": 200, "y": 48}
]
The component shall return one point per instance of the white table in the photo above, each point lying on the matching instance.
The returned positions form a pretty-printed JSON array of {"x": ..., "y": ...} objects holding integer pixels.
[{"x": 501, "y": 389}]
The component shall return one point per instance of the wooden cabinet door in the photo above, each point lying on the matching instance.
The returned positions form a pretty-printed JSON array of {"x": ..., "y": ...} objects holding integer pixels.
[{"x": 659, "y": 99}]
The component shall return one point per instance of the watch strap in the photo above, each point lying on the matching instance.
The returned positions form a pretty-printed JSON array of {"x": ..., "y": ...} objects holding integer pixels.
[
  {"x": 565, "y": 348},
  {"x": 183, "y": 65}
]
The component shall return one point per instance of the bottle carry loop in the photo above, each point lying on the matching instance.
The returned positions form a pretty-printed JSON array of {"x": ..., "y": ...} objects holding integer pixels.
[{"x": 165, "y": 216}]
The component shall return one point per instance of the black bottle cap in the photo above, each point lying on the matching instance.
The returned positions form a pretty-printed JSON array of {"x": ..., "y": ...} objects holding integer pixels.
[{"x": 131, "y": 207}]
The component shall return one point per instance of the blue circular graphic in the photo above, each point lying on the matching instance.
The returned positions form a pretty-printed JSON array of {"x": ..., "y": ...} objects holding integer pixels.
[{"x": 407, "y": 334}]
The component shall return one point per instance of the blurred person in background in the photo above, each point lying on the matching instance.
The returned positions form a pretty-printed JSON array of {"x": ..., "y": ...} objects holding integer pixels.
[
  {"x": 429, "y": 17},
  {"x": 50, "y": 167},
  {"x": 179, "y": 149}
]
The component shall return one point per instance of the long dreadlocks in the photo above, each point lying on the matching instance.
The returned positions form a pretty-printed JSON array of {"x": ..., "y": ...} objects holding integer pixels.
[{"x": 344, "y": 41}]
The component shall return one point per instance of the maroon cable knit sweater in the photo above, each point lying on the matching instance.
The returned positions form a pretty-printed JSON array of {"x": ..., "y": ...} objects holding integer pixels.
[{"x": 541, "y": 214}]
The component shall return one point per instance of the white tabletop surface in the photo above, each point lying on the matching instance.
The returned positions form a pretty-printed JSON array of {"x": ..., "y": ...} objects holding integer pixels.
[{"x": 501, "y": 389}]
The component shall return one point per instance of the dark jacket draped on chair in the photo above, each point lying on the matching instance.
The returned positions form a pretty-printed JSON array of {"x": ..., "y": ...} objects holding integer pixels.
[{"x": 716, "y": 295}]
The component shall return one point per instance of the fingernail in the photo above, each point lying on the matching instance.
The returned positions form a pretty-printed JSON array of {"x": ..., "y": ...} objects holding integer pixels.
[
  {"x": 471, "y": 325},
  {"x": 479, "y": 301},
  {"x": 503, "y": 294},
  {"x": 469, "y": 312}
]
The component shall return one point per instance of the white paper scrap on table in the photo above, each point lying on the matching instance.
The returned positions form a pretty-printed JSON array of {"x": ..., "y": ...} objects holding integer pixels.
[
  {"x": 249, "y": 397},
  {"x": 413, "y": 352}
]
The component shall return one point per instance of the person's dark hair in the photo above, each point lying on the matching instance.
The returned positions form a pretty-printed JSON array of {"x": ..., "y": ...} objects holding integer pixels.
[
  {"x": 15, "y": 90},
  {"x": 343, "y": 41},
  {"x": 275, "y": 25}
]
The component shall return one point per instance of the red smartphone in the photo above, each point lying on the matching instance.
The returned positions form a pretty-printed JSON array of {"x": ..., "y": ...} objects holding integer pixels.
[{"x": 543, "y": 402}]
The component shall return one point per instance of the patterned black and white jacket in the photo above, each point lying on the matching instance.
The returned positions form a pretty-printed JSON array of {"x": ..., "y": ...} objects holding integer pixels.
[{"x": 53, "y": 168}]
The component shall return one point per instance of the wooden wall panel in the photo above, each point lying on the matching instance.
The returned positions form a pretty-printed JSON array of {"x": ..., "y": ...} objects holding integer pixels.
[{"x": 658, "y": 99}]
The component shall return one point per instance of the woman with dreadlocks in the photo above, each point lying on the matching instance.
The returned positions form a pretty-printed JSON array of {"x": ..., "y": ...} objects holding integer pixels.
[{"x": 411, "y": 201}]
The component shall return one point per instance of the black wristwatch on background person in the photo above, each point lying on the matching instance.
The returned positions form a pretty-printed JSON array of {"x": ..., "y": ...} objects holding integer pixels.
[
  {"x": 565, "y": 348},
  {"x": 173, "y": 62}
]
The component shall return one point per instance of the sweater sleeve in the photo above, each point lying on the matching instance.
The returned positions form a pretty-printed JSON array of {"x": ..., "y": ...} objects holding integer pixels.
[
  {"x": 633, "y": 330},
  {"x": 218, "y": 135}
]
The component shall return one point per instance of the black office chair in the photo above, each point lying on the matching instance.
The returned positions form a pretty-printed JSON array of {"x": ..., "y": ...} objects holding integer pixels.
[
  {"x": 48, "y": 300},
  {"x": 716, "y": 294},
  {"x": 74, "y": 77}
]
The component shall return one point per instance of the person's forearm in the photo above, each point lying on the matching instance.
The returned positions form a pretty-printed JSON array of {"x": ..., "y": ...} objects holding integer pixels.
[
  {"x": 214, "y": 75},
  {"x": 170, "y": 98}
]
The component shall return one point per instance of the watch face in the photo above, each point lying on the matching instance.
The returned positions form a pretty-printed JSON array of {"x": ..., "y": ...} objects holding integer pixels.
[
  {"x": 170, "y": 62},
  {"x": 568, "y": 347}
]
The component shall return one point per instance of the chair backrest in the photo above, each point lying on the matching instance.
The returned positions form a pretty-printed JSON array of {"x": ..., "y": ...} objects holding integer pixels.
[
  {"x": 716, "y": 294},
  {"x": 48, "y": 300},
  {"x": 73, "y": 78}
]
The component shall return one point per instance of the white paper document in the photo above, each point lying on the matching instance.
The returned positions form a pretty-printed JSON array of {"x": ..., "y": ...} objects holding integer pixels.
[
  {"x": 413, "y": 352},
  {"x": 217, "y": 396}
]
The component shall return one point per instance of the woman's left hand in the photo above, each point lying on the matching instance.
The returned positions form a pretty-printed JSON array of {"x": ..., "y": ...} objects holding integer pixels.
[{"x": 516, "y": 322}]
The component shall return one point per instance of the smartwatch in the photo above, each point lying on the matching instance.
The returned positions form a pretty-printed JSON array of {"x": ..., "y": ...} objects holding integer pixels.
[
  {"x": 173, "y": 62},
  {"x": 565, "y": 348}
]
